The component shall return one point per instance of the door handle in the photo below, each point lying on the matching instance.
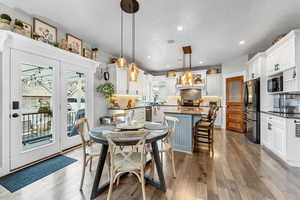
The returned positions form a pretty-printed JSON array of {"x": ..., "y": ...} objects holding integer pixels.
[{"x": 15, "y": 115}]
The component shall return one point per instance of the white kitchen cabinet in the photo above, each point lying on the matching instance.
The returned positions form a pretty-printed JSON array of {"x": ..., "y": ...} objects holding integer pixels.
[
  {"x": 147, "y": 87},
  {"x": 282, "y": 60},
  {"x": 214, "y": 85},
  {"x": 281, "y": 56},
  {"x": 119, "y": 77},
  {"x": 265, "y": 131},
  {"x": 275, "y": 134},
  {"x": 157, "y": 113},
  {"x": 293, "y": 142},
  {"x": 279, "y": 131},
  {"x": 256, "y": 66},
  {"x": 282, "y": 137},
  {"x": 219, "y": 119},
  {"x": 171, "y": 87},
  {"x": 139, "y": 114}
]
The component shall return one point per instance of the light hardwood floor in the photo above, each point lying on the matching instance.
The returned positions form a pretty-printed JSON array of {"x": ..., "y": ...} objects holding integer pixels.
[{"x": 238, "y": 170}]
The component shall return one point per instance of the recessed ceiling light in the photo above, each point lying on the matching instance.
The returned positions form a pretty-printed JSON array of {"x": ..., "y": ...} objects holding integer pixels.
[
  {"x": 149, "y": 57},
  {"x": 179, "y": 28},
  {"x": 201, "y": 62},
  {"x": 242, "y": 42}
]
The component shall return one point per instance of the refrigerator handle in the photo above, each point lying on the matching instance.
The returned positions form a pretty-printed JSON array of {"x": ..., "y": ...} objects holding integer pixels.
[{"x": 246, "y": 95}]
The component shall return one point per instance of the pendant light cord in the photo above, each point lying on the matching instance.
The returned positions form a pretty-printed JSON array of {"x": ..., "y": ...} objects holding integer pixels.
[
  {"x": 133, "y": 37},
  {"x": 121, "y": 33},
  {"x": 190, "y": 61}
]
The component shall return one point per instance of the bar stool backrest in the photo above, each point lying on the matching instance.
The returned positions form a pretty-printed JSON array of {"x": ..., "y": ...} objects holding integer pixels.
[{"x": 211, "y": 111}]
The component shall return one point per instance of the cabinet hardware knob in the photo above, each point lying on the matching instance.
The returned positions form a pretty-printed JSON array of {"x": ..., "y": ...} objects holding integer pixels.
[{"x": 15, "y": 115}]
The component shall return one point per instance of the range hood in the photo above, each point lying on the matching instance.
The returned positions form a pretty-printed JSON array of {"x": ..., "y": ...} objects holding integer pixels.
[{"x": 196, "y": 86}]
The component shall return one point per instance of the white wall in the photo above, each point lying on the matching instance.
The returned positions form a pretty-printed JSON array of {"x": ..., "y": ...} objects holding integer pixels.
[
  {"x": 103, "y": 57},
  {"x": 238, "y": 64},
  {"x": 61, "y": 33},
  {"x": 232, "y": 68}
]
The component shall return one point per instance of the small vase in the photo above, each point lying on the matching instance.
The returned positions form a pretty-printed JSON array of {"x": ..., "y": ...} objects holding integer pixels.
[{"x": 5, "y": 25}]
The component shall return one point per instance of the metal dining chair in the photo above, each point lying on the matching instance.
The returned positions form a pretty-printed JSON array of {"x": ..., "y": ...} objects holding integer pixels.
[
  {"x": 126, "y": 160},
  {"x": 82, "y": 126}
]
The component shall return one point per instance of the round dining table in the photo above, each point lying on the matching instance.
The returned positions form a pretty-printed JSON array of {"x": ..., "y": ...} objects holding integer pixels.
[{"x": 97, "y": 135}]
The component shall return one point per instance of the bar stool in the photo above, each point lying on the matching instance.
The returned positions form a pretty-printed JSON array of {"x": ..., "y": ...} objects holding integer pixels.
[{"x": 204, "y": 130}]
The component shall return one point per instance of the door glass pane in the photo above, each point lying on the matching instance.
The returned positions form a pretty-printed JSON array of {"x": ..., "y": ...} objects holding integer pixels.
[
  {"x": 36, "y": 105},
  {"x": 76, "y": 100},
  {"x": 235, "y": 92}
]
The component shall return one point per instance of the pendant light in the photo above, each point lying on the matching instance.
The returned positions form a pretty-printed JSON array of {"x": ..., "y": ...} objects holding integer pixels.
[
  {"x": 189, "y": 73},
  {"x": 121, "y": 62},
  {"x": 133, "y": 71},
  {"x": 183, "y": 75}
]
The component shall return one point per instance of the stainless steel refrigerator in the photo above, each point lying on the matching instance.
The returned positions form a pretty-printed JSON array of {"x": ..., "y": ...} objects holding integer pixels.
[{"x": 252, "y": 110}]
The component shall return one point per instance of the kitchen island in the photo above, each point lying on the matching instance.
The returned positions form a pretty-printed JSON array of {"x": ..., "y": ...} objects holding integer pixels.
[{"x": 184, "y": 130}]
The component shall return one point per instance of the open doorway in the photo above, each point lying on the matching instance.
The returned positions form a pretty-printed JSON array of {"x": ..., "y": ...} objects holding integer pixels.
[{"x": 234, "y": 104}]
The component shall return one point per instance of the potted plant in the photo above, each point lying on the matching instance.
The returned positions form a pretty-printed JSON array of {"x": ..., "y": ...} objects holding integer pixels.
[
  {"x": 5, "y": 21},
  {"x": 107, "y": 90},
  {"x": 18, "y": 27},
  {"x": 46, "y": 110}
]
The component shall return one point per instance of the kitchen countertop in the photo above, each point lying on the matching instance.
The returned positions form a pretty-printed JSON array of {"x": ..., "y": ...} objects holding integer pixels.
[
  {"x": 186, "y": 111},
  {"x": 283, "y": 115},
  {"x": 143, "y": 106}
]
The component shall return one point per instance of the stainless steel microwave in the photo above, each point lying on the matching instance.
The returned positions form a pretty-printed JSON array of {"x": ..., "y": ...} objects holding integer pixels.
[{"x": 275, "y": 84}]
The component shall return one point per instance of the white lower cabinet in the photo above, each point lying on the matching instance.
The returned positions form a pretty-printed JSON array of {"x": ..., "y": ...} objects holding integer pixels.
[
  {"x": 282, "y": 137},
  {"x": 139, "y": 114}
]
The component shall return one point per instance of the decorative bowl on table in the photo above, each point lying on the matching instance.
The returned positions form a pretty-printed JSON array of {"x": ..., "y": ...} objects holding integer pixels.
[
  {"x": 133, "y": 125},
  {"x": 154, "y": 126}
]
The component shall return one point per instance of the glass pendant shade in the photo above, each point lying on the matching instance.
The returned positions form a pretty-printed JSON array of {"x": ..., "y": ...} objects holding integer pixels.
[
  {"x": 171, "y": 74},
  {"x": 122, "y": 62},
  {"x": 189, "y": 76},
  {"x": 133, "y": 72}
]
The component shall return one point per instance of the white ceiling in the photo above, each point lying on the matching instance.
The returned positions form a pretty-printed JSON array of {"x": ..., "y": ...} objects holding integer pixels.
[{"x": 213, "y": 27}]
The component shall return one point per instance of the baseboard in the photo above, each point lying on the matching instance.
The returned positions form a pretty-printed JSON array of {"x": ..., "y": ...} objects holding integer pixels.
[
  {"x": 183, "y": 149},
  {"x": 283, "y": 162}
]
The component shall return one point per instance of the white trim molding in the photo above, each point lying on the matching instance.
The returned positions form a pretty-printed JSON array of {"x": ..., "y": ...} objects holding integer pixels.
[{"x": 11, "y": 41}]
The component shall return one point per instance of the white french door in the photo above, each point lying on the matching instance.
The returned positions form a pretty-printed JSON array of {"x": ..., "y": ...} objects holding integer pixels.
[
  {"x": 74, "y": 102},
  {"x": 34, "y": 108}
]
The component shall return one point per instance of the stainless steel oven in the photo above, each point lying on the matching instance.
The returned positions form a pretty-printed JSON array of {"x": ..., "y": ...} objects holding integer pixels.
[{"x": 275, "y": 84}]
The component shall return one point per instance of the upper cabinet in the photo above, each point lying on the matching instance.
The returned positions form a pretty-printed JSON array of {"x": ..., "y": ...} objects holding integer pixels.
[
  {"x": 281, "y": 56},
  {"x": 255, "y": 66},
  {"x": 119, "y": 77},
  {"x": 283, "y": 59}
]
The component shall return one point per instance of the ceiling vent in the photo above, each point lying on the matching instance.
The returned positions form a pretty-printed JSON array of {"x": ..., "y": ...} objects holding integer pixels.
[{"x": 171, "y": 41}]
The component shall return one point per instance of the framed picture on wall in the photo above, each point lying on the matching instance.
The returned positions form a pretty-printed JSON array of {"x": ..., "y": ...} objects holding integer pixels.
[
  {"x": 74, "y": 44},
  {"x": 28, "y": 29},
  {"x": 87, "y": 53},
  {"x": 45, "y": 31}
]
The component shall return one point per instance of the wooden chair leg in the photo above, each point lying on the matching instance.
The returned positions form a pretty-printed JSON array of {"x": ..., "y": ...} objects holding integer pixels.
[
  {"x": 143, "y": 184},
  {"x": 152, "y": 167},
  {"x": 83, "y": 171},
  {"x": 173, "y": 163},
  {"x": 111, "y": 183},
  {"x": 161, "y": 158},
  {"x": 91, "y": 161}
]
